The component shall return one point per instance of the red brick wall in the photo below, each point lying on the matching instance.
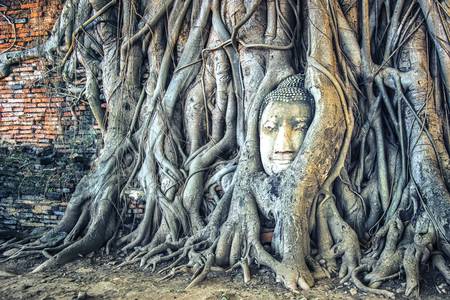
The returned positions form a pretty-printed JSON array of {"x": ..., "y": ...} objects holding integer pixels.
[
  {"x": 34, "y": 115},
  {"x": 31, "y": 111},
  {"x": 36, "y": 119}
]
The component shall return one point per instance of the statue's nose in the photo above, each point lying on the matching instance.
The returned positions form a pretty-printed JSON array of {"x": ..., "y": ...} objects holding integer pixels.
[{"x": 283, "y": 142}]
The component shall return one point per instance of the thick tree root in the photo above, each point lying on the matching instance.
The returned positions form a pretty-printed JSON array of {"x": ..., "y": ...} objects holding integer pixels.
[
  {"x": 364, "y": 288},
  {"x": 185, "y": 82}
]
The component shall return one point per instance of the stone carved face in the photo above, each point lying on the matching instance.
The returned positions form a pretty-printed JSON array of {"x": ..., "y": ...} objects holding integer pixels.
[
  {"x": 282, "y": 129},
  {"x": 286, "y": 114}
]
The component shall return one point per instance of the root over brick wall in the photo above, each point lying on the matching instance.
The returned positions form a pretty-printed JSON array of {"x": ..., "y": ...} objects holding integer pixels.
[
  {"x": 47, "y": 140},
  {"x": 33, "y": 109}
]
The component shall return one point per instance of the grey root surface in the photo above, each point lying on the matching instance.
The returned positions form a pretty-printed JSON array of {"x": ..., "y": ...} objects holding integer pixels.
[{"x": 367, "y": 194}]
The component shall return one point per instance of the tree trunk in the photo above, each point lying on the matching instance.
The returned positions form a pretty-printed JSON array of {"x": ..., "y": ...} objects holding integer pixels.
[{"x": 186, "y": 82}]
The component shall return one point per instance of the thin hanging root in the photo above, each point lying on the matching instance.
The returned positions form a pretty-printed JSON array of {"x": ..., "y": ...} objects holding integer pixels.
[{"x": 364, "y": 288}]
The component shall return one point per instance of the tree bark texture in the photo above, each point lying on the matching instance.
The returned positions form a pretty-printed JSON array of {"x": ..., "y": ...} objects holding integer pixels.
[{"x": 367, "y": 195}]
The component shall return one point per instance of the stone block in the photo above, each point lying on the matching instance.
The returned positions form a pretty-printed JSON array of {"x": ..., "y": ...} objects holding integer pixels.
[
  {"x": 54, "y": 195},
  {"x": 20, "y": 20}
]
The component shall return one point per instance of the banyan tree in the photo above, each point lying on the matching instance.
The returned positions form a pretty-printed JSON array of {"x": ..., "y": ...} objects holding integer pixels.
[{"x": 310, "y": 137}]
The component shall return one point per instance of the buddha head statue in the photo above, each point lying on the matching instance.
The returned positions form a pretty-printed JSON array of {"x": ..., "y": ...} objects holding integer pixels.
[{"x": 284, "y": 118}]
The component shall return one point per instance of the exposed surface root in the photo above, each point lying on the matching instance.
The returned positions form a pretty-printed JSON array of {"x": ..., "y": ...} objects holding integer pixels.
[{"x": 185, "y": 83}]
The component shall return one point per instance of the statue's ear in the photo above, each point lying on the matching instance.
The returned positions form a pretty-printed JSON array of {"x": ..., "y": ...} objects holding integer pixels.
[{"x": 312, "y": 93}]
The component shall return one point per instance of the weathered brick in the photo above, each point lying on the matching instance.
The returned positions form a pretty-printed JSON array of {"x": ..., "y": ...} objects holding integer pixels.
[
  {"x": 35, "y": 109},
  {"x": 32, "y": 113},
  {"x": 16, "y": 86},
  {"x": 30, "y": 5},
  {"x": 20, "y": 21}
]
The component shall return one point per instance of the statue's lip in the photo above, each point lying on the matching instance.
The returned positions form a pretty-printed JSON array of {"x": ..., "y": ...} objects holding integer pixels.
[{"x": 282, "y": 161}]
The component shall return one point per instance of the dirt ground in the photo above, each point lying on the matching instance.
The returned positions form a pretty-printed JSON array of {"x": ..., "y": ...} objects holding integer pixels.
[{"x": 99, "y": 278}]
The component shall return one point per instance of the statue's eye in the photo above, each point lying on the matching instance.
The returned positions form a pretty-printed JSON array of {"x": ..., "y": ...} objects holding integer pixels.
[
  {"x": 300, "y": 126},
  {"x": 270, "y": 126}
]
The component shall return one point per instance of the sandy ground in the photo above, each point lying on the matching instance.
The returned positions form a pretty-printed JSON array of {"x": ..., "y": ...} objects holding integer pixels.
[{"x": 99, "y": 279}]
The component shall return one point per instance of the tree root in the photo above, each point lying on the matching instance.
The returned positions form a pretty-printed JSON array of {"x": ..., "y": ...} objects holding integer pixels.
[
  {"x": 364, "y": 288},
  {"x": 194, "y": 125},
  {"x": 439, "y": 263},
  {"x": 390, "y": 259}
]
